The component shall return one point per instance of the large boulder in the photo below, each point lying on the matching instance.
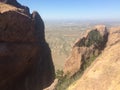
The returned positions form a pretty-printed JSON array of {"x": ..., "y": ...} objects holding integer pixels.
[
  {"x": 25, "y": 57},
  {"x": 104, "y": 73},
  {"x": 86, "y": 49}
]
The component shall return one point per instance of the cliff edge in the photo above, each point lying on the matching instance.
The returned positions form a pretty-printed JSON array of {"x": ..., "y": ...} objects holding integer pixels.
[
  {"x": 104, "y": 72},
  {"x": 25, "y": 57},
  {"x": 85, "y": 49}
]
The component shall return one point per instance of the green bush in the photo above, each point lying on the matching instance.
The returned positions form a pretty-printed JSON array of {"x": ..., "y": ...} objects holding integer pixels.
[
  {"x": 94, "y": 37},
  {"x": 87, "y": 63}
]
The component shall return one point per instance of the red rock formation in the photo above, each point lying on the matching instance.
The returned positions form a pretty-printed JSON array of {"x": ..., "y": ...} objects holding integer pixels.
[
  {"x": 104, "y": 72},
  {"x": 87, "y": 47},
  {"x": 25, "y": 57}
]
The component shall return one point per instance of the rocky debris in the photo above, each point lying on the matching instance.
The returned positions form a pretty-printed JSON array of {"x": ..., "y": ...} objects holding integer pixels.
[
  {"x": 104, "y": 73},
  {"x": 85, "y": 49},
  {"x": 25, "y": 57}
]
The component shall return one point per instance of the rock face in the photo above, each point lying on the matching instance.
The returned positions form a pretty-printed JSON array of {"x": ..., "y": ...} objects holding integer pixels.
[
  {"x": 25, "y": 57},
  {"x": 104, "y": 73},
  {"x": 16, "y": 4},
  {"x": 85, "y": 49}
]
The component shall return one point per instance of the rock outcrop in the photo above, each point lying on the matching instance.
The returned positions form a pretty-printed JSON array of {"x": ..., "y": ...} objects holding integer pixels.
[
  {"x": 104, "y": 73},
  {"x": 25, "y": 57},
  {"x": 16, "y": 4},
  {"x": 86, "y": 49}
]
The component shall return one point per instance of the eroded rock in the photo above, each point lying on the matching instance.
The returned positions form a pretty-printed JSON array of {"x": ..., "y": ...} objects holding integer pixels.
[
  {"x": 86, "y": 49},
  {"x": 25, "y": 57},
  {"x": 104, "y": 73}
]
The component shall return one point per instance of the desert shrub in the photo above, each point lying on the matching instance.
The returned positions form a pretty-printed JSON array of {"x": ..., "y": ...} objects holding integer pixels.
[
  {"x": 87, "y": 63},
  {"x": 94, "y": 37},
  {"x": 65, "y": 81},
  {"x": 59, "y": 74},
  {"x": 61, "y": 80}
]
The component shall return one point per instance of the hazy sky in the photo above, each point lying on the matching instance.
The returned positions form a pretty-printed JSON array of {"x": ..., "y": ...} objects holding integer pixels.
[{"x": 75, "y": 9}]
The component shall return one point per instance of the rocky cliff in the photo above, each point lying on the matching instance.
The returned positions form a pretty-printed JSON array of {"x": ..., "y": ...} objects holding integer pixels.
[
  {"x": 85, "y": 49},
  {"x": 104, "y": 72},
  {"x": 25, "y": 57}
]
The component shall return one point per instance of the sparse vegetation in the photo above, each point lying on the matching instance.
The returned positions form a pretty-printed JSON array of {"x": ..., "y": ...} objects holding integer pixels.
[
  {"x": 87, "y": 63},
  {"x": 65, "y": 81},
  {"x": 94, "y": 37},
  {"x": 61, "y": 38}
]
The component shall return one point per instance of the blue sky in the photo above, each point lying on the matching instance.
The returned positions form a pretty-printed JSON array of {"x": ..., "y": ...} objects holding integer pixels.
[{"x": 75, "y": 9}]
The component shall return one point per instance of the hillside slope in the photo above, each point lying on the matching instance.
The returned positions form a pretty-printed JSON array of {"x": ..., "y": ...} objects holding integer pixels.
[{"x": 104, "y": 72}]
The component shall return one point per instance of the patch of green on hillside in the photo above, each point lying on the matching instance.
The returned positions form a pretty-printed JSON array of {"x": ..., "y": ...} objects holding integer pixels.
[{"x": 64, "y": 81}]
